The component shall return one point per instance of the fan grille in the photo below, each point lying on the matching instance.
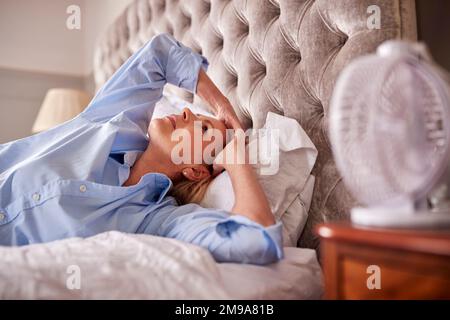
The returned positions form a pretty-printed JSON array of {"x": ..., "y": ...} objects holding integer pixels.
[{"x": 389, "y": 128}]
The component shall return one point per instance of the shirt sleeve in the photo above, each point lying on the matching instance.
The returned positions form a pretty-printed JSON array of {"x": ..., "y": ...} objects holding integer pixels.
[
  {"x": 137, "y": 85},
  {"x": 229, "y": 238}
]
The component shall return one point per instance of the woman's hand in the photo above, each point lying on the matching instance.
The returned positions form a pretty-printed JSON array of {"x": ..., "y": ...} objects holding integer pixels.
[
  {"x": 226, "y": 113},
  {"x": 234, "y": 154},
  {"x": 207, "y": 90},
  {"x": 250, "y": 199}
]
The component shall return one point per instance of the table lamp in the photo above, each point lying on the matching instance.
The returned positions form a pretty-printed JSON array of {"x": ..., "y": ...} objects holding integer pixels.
[{"x": 60, "y": 105}]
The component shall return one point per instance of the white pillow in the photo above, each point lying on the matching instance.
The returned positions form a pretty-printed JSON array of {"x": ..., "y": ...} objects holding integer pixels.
[
  {"x": 289, "y": 190},
  {"x": 220, "y": 195},
  {"x": 171, "y": 104}
]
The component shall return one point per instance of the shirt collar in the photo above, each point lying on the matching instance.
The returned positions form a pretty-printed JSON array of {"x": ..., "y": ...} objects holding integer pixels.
[
  {"x": 130, "y": 157},
  {"x": 162, "y": 182}
]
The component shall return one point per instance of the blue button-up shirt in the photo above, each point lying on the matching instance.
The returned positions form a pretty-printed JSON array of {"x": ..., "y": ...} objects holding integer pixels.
[{"x": 67, "y": 181}]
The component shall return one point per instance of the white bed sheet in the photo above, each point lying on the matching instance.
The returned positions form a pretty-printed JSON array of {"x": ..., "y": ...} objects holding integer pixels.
[{"x": 115, "y": 265}]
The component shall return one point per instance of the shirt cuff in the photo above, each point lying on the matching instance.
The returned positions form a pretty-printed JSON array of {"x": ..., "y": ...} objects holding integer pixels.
[
  {"x": 273, "y": 233},
  {"x": 183, "y": 67}
]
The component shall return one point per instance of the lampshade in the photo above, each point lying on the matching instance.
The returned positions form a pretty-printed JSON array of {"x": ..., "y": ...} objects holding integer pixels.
[{"x": 59, "y": 106}]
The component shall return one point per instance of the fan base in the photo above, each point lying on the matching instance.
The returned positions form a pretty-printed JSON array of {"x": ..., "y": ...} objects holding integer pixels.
[{"x": 390, "y": 218}]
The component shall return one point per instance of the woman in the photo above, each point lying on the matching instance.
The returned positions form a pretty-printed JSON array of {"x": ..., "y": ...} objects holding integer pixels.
[{"x": 100, "y": 172}]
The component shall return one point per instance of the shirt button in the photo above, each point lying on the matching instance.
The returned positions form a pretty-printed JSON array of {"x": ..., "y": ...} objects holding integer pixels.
[
  {"x": 82, "y": 188},
  {"x": 2, "y": 216},
  {"x": 36, "y": 196}
]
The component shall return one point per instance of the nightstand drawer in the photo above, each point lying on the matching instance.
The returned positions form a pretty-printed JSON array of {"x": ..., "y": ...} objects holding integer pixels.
[
  {"x": 384, "y": 264},
  {"x": 396, "y": 282}
]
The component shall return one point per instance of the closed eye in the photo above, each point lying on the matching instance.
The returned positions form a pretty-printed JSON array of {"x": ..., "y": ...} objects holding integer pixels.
[
  {"x": 205, "y": 128},
  {"x": 206, "y": 125}
]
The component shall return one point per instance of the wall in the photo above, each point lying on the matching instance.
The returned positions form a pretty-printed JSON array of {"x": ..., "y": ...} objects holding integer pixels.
[
  {"x": 21, "y": 94},
  {"x": 39, "y": 52},
  {"x": 99, "y": 14},
  {"x": 34, "y": 37},
  {"x": 433, "y": 24}
]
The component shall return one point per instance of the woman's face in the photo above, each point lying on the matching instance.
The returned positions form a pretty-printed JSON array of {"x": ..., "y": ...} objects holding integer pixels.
[{"x": 188, "y": 136}]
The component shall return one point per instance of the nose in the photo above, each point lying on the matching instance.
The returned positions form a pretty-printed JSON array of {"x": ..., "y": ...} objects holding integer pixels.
[{"x": 187, "y": 115}]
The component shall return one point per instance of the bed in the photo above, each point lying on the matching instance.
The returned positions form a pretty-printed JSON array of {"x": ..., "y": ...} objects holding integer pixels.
[
  {"x": 269, "y": 55},
  {"x": 280, "y": 56}
]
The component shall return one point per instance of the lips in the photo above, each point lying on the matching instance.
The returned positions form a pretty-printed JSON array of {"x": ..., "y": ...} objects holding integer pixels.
[{"x": 172, "y": 120}]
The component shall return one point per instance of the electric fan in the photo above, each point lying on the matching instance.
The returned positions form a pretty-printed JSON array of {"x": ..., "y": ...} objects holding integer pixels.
[{"x": 390, "y": 135}]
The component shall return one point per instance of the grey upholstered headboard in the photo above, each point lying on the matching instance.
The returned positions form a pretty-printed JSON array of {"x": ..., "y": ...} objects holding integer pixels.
[{"x": 269, "y": 55}]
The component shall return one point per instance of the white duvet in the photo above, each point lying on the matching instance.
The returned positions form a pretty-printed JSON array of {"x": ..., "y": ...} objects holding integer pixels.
[{"x": 115, "y": 265}]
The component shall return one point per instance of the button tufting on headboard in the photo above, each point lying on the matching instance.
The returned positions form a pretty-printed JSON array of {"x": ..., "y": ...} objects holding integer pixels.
[{"x": 268, "y": 55}]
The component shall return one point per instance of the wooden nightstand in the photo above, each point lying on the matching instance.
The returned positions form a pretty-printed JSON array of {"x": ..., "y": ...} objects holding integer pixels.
[{"x": 410, "y": 264}]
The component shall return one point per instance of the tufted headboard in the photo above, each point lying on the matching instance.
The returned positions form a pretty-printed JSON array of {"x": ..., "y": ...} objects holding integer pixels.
[{"x": 269, "y": 55}]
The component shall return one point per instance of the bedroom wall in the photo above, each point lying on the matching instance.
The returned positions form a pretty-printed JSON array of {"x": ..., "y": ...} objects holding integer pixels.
[
  {"x": 433, "y": 26},
  {"x": 39, "y": 52},
  {"x": 34, "y": 37},
  {"x": 99, "y": 14}
]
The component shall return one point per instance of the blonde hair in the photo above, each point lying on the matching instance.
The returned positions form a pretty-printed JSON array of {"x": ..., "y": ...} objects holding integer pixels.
[{"x": 188, "y": 191}]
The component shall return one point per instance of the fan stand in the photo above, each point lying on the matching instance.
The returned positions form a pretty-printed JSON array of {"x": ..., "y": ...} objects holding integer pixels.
[{"x": 400, "y": 217}]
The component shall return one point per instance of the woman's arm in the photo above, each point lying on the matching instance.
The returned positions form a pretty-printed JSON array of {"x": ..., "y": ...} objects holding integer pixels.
[
  {"x": 250, "y": 199},
  {"x": 221, "y": 106},
  {"x": 232, "y": 238},
  {"x": 138, "y": 84}
]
